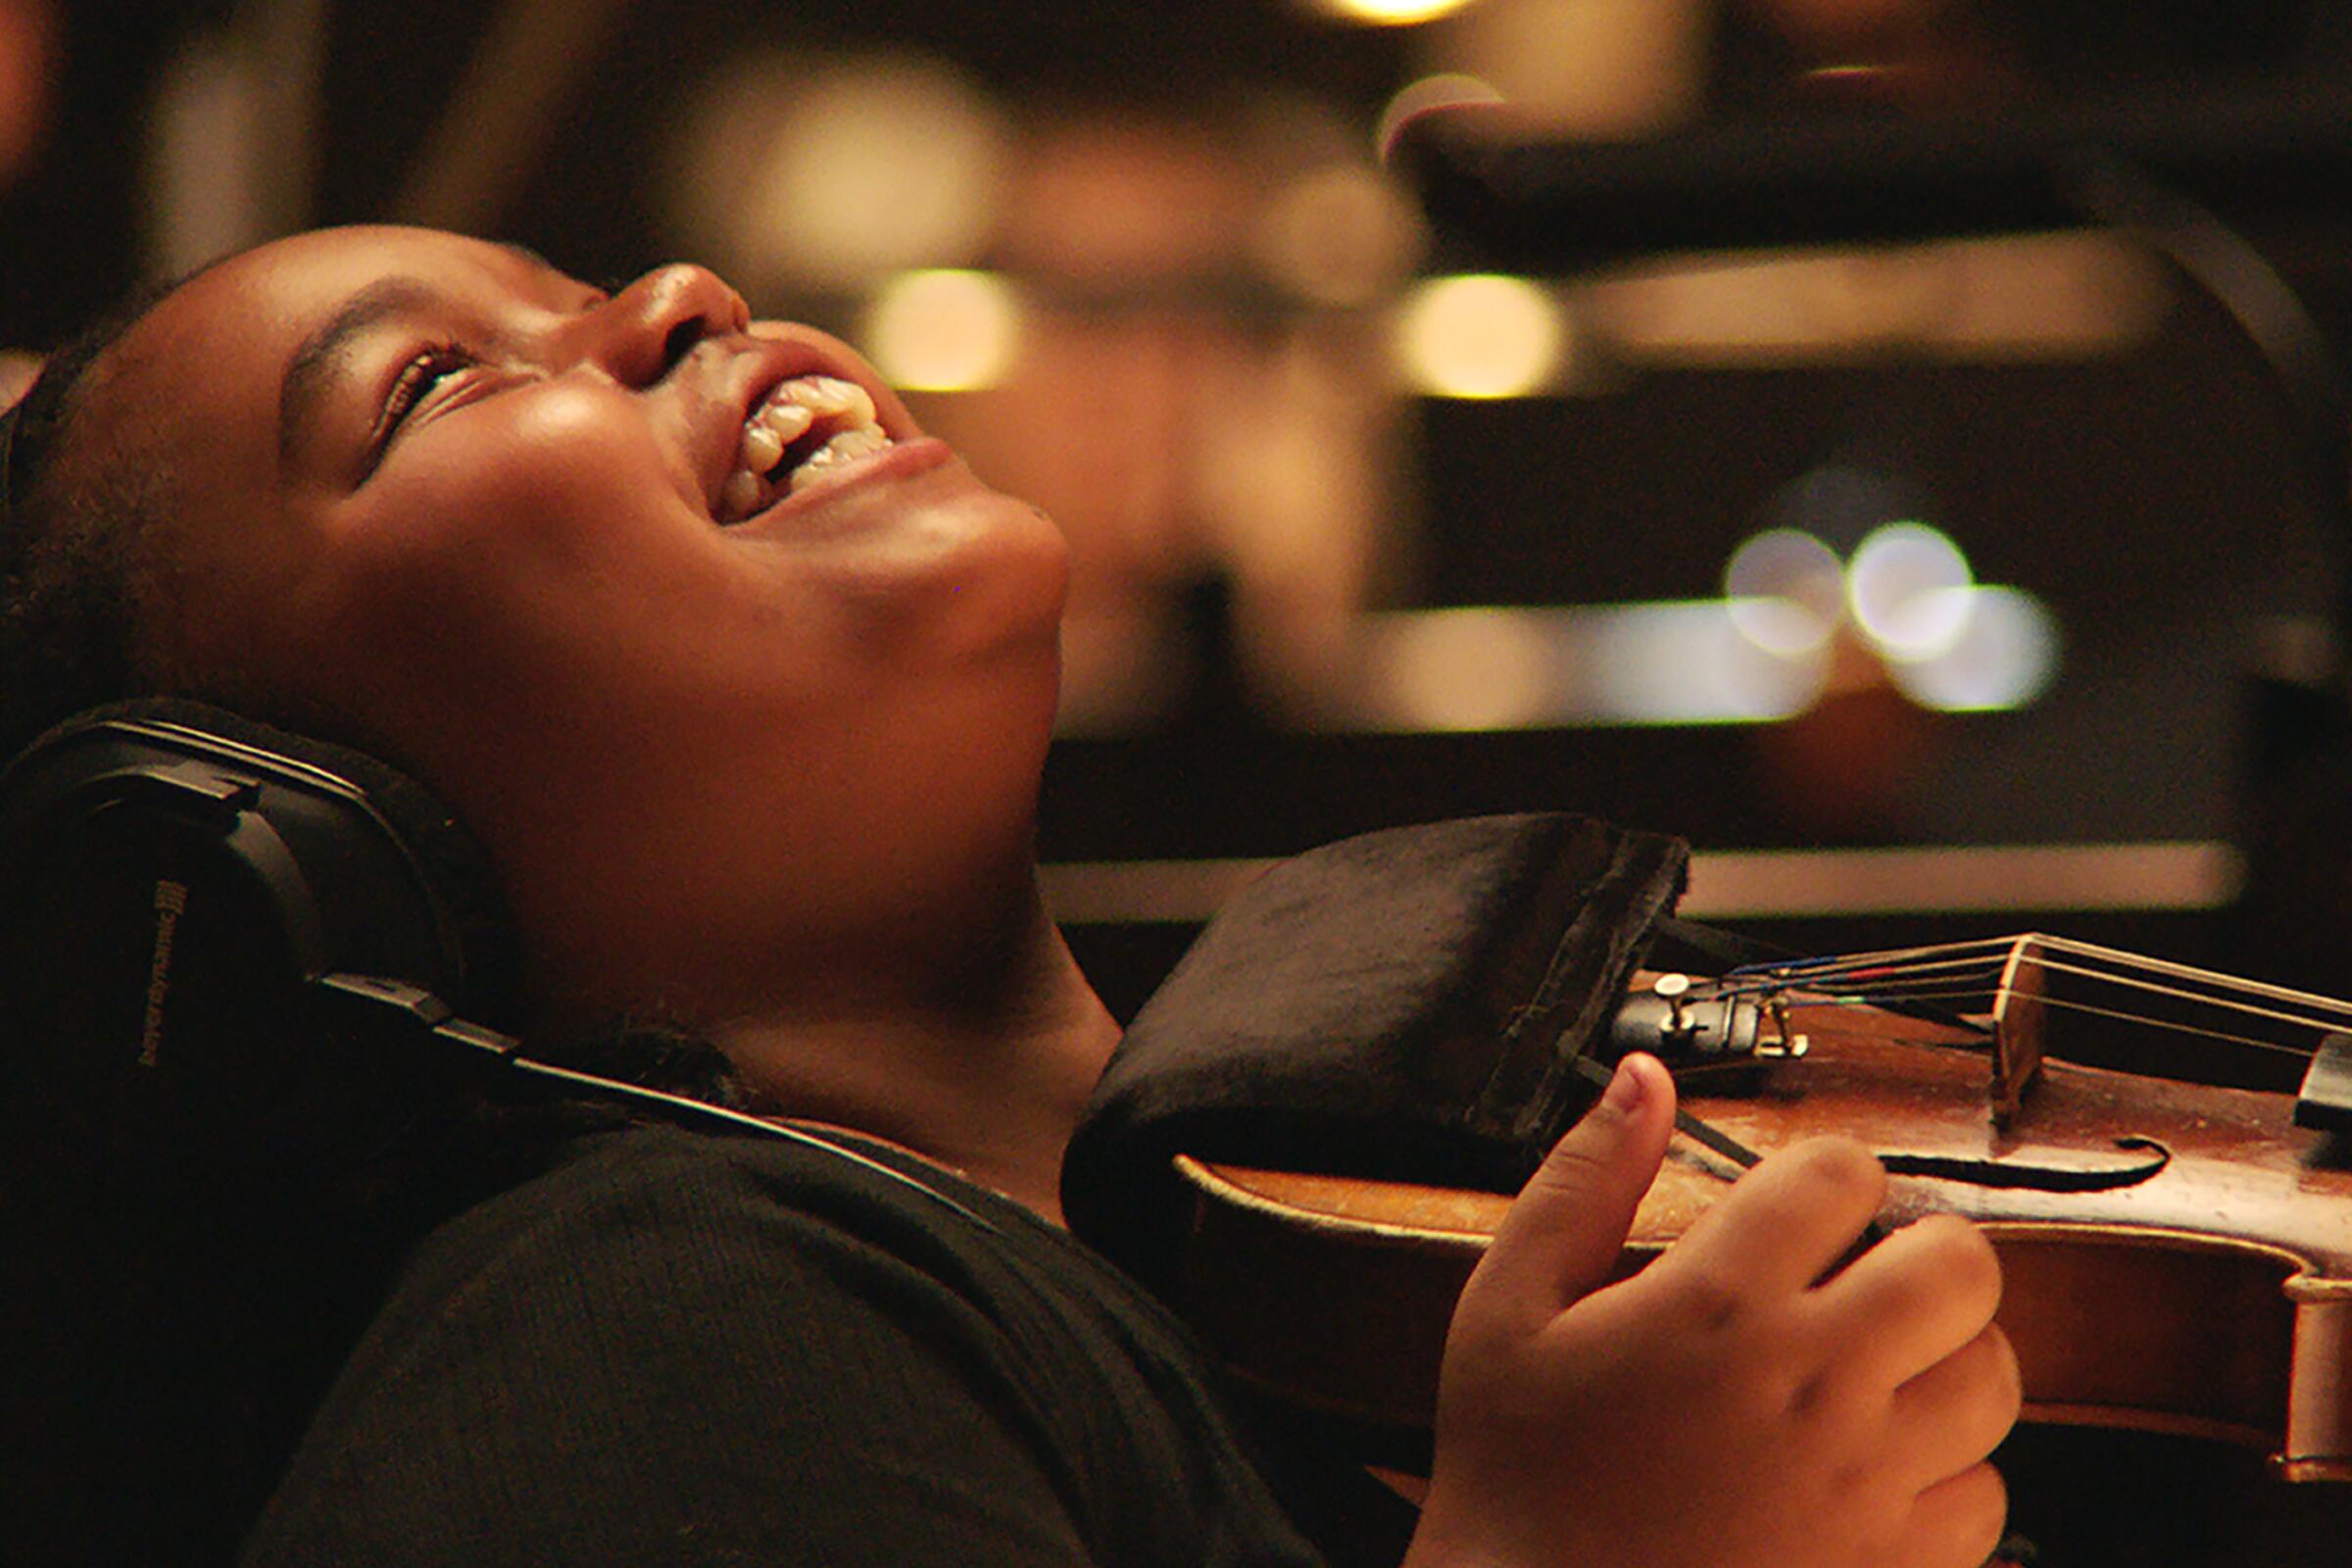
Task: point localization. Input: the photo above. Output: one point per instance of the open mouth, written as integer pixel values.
(808, 427)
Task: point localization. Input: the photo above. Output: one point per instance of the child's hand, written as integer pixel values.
(1721, 1409)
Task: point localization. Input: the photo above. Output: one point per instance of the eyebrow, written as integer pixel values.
(308, 373)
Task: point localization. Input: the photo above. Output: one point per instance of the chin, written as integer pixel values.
(999, 575)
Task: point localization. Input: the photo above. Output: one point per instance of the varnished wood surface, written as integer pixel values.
(2169, 1305)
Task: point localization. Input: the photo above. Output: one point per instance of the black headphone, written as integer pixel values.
(219, 940)
(231, 952)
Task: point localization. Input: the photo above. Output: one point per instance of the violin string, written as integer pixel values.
(2070, 1004)
(2183, 971)
(1885, 973)
(1892, 955)
(1871, 999)
(1900, 963)
(2179, 993)
(2067, 1004)
(1897, 965)
(2176, 1027)
(1923, 975)
(1884, 958)
(1917, 961)
(1920, 996)
(1920, 985)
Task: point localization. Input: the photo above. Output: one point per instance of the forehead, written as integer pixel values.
(188, 398)
(235, 326)
(290, 280)
(201, 375)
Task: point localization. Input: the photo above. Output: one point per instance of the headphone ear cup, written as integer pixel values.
(171, 879)
(476, 962)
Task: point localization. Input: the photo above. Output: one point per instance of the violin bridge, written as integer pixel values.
(2018, 1013)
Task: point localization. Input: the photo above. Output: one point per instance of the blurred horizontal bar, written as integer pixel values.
(1976, 879)
(2263, 149)
(1737, 884)
(1670, 662)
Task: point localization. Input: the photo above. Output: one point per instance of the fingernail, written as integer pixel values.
(1625, 1089)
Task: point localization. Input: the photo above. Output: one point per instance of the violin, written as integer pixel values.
(2176, 1255)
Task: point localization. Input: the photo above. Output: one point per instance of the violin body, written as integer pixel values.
(2207, 1293)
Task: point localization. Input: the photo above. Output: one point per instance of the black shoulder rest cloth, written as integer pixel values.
(1408, 1004)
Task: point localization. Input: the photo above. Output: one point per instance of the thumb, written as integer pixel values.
(1562, 1235)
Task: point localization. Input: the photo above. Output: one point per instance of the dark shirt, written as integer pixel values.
(685, 1347)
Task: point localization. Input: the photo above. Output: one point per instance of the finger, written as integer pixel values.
(1958, 1410)
(1561, 1236)
(1914, 1299)
(1784, 1222)
(1957, 1523)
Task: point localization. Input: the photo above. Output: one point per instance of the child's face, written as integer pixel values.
(522, 589)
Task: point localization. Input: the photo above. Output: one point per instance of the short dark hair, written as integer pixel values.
(71, 561)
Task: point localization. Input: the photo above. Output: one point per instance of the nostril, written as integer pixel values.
(681, 341)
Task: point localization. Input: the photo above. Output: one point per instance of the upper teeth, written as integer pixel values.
(790, 413)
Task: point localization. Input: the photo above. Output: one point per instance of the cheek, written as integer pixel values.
(506, 510)
(552, 467)
(501, 550)
(531, 599)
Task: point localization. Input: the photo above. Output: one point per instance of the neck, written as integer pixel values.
(982, 1064)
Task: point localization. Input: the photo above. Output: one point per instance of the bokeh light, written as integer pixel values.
(2004, 657)
(1688, 664)
(1584, 69)
(1945, 641)
(796, 174)
(1785, 590)
(1481, 335)
(943, 330)
(1388, 13)
(1902, 588)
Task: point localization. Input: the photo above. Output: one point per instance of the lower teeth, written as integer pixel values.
(843, 448)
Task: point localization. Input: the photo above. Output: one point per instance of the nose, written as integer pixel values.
(637, 334)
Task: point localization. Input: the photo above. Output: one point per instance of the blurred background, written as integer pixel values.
(1838, 446)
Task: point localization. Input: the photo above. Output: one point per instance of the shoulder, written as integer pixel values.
(653, 1234)
(667, 1185)
(770, 1347)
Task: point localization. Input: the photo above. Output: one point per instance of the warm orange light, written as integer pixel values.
(796, 173)
(1391, 13)
(28, 66)
(943, 330)
(1481, 335)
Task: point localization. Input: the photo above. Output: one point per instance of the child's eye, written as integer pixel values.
(420, 376)
(417, 380)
